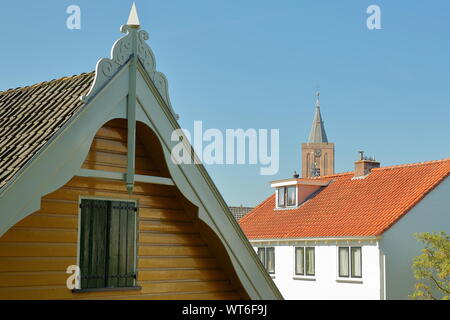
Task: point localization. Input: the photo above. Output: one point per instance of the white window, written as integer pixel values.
(305, 261)
(267, 256)
(286, 197)
(350, 262)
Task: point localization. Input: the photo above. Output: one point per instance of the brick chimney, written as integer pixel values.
(364, 165)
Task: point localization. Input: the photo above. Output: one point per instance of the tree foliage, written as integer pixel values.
(432, 267)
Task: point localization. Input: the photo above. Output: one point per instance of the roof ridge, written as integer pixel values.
(45, 82)
(412, 164)
(383, 168)
(332, 175)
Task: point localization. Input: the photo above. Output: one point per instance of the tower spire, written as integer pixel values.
(317, 133)
(317, 153)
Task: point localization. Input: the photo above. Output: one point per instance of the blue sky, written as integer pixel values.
(257, 64)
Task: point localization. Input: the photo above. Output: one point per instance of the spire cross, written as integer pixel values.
(317, 99)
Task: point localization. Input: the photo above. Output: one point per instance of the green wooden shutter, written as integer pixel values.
(122, 244)
(113, 267)
(93, 239)
(107, 243)
(131, 244)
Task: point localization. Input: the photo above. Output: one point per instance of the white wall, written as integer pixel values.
(432, 214)
(324, 284)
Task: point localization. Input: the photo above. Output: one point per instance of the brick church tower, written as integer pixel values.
(317, 153)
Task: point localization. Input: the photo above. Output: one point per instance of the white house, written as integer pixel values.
(348, 235)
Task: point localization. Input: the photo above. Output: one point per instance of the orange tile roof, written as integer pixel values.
(346, 207)
(31, 116)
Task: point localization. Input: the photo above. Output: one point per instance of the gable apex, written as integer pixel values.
(121, 53)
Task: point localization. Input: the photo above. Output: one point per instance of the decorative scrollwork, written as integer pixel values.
(120, 54)
(145, 54)
(108, 68)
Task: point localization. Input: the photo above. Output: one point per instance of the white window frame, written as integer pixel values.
(350, 278)
(303, 276)
(286, 206)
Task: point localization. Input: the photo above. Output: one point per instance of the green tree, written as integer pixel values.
(432, 267)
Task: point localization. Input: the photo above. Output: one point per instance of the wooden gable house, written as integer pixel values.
(87, 181)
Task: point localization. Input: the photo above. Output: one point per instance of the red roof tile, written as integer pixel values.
(346, 207)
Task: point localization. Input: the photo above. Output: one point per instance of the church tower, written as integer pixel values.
(317, 153)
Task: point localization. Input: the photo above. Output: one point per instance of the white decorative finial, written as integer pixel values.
(133, 19)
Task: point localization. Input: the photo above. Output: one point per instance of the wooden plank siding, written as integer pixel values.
(174, 259)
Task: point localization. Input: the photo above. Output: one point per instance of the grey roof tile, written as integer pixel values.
(31, 116)
(239, 212)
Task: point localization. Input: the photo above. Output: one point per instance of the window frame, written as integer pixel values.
(286, 197)
(360, 262)
(340, 275)
(266, 259)
(295, 261)
(305, 274)
(135, 202)
(314, 262)
(350, 270)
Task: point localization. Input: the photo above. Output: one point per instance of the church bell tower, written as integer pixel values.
(317, 153)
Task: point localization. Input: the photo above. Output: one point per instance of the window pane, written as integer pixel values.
(343, 262)
(281, 197)
(270, 259)
(291, 196)
(262, 255)
(356, 262)
(299, 261)
(310, 261)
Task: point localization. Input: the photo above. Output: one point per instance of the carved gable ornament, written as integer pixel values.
(121, 53)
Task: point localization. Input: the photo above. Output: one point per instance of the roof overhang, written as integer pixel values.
(317, 240)
(300, 181)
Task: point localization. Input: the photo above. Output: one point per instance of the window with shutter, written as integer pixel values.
(107, 244)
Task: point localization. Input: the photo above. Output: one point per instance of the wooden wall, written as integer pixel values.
(174, 257)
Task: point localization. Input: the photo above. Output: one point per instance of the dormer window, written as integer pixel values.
(286, 196)
(291, 193)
